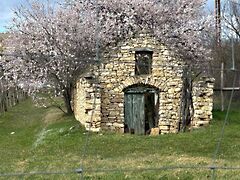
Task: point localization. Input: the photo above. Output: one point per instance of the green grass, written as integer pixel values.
(46, 140)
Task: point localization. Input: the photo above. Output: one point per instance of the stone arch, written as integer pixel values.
(139, 81)
(141, 85)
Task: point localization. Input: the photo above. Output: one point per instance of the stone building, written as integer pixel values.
(136, 88)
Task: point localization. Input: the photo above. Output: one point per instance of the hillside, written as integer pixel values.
(44, 144)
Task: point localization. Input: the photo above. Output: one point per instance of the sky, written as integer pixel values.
(6, 7)
(6, 13)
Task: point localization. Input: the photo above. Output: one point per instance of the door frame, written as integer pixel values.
(130, 114)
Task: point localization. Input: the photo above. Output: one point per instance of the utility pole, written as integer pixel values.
(233, 10)
(218, 44)
(218, 22)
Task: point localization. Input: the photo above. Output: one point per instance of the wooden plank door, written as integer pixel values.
(134, 112)
(128, 98)
(138, 113)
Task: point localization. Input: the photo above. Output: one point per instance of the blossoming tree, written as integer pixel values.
(54, 43)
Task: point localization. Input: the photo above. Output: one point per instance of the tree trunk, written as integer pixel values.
(187, 109)
(5, 107)
(67, 95)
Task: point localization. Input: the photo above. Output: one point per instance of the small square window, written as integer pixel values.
(143, 62)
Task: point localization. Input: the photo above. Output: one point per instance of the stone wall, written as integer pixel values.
(202, 101)
(87, 102)
(117, 72)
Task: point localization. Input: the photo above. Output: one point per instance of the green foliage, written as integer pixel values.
(45, 139)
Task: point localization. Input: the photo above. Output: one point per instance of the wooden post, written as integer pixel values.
(222, 86)
(233, 55)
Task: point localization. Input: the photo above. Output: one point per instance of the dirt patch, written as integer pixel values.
(21, 165)
(52, 116)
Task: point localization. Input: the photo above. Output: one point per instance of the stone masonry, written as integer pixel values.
(99, 94)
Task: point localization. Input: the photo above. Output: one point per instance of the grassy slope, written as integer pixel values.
(43, 141)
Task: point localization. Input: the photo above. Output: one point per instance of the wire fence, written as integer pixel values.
(51, 161)
(78, 165)
(77, 169)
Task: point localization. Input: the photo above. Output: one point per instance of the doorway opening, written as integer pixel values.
(141, 106)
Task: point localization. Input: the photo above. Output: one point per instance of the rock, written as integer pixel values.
(154, 131)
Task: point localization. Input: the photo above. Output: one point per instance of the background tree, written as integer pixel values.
(231, 18)
(228, 52)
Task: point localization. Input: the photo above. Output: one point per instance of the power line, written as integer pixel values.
(79, 171)
(38, 173)
(97, 56)
(162, 168)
